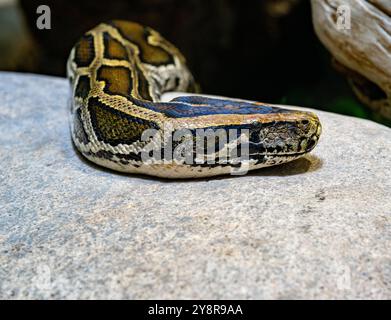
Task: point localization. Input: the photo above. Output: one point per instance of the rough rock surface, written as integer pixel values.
(319, 227)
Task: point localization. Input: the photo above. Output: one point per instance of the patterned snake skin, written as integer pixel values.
(118, 72)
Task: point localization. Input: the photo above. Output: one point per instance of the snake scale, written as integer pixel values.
(118, 73)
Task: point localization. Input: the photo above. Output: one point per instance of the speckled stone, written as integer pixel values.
(319, 227)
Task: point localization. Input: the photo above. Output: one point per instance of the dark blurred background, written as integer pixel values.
(263, 50)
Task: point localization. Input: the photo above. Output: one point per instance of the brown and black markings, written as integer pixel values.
(118, 80)
(138, 34)
(120, 59)
(115, 127)
(113, 49)
(85, 51)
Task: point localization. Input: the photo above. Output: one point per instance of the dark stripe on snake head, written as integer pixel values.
(194, 106)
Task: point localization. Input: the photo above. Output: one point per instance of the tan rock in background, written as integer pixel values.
(358, 34)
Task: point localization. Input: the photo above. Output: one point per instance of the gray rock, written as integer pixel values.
(319, 227)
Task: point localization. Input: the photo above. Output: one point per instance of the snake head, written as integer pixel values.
(286, 133)
(272, 130)
(275, 135)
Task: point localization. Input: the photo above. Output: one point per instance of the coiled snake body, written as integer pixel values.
(118, 72)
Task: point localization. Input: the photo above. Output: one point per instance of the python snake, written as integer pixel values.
(119, 71)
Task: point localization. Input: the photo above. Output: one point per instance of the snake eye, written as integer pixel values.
(311, 144)
(305, 122)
